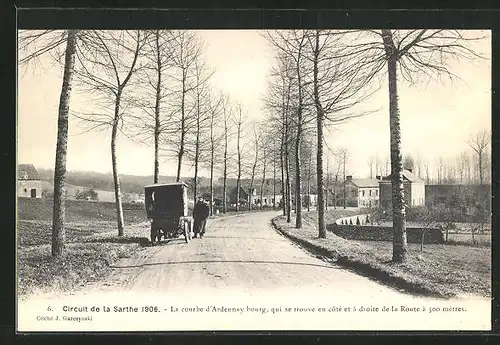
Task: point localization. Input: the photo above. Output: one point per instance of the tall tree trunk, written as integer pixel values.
(298, 177)
(183, 127)
(400, 247)
(274, 178)
(114, 162)
(327, 189)
(345, 195)
(283, 188)
(157, 111)
(239, 170)
(288, 188)
(250, 195)
(196, 156)
(59, 207)
(250, 191)
(480, 158)
(212, 185)
(264, 157)
(224, 174)
(319, 154)
(212, 159)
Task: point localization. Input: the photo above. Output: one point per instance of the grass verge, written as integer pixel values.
(439, 271)
(87, 258)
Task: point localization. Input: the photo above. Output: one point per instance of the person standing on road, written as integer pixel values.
(200, 215)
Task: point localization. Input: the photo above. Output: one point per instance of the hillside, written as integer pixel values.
(103, 183)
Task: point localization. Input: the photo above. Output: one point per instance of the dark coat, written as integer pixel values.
(201, 211)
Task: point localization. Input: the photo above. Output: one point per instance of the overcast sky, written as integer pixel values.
(436, 117)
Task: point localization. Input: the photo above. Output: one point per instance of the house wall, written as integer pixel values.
(368, 196)
(267, 200)
(24, 188)
(417, 194)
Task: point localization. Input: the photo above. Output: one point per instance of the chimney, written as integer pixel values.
(348, 178)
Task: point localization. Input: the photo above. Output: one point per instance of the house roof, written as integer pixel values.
(166, 184)
(365, 182)
(27, 172)
(408, 176)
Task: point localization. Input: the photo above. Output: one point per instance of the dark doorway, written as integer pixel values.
(33, 193)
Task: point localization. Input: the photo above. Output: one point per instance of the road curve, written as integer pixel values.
(245, 268)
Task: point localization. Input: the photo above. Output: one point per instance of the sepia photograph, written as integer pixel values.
(253, 180)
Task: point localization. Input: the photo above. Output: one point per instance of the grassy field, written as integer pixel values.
(442, 270)
(79, 211)
(92, 244)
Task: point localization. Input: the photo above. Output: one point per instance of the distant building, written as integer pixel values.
(360, 192)
(414, 190)
(29, 184)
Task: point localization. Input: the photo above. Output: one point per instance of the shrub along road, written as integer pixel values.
(244, 255)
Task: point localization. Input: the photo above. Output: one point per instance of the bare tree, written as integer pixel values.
(256, 145)
(201, 115)
(154, 117)
(239, 120)
(418, 165)
(215, 139)
(409, 163)
(226, 115)
(187, 50)
(415, 52)
(32, 46)
(479, 142)
(108, 60)
(293, 45)
(337, 87)
(371, 163)
(279, 103)
(440, 167)
(344, 161)
(265, 148)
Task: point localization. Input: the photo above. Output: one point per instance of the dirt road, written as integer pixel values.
(242, 253)
(245, 266)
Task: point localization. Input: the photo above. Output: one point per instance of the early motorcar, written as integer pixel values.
(167, 210)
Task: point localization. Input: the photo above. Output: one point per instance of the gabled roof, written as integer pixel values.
(166, 184)
(407, 176)
(365, 182)
(27, 172)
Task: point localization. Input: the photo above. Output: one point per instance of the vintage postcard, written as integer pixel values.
(182, 180)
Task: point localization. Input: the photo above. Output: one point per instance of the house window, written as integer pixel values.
(376, 192)
(25, 190)
(354, 193)
(363, 193)
(370, 192)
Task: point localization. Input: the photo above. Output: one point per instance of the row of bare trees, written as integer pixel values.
(152, 86)
(320, 78)
(471, 166)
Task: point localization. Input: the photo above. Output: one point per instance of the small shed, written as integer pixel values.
(29, 184)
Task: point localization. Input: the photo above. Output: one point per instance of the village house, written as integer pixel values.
(29, 184)
(361, 192)
(414, 190)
